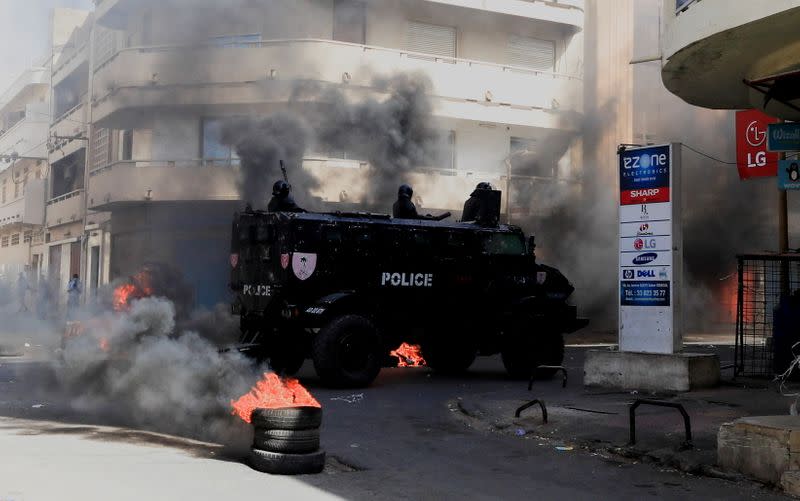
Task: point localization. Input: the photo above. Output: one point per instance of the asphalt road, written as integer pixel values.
(398, 439)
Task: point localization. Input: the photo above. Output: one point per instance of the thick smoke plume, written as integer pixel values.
(391, 129)
(141, 368)
(261, 145)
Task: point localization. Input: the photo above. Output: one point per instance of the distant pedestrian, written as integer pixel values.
(22, 291)
(74, 289)
(44, 298)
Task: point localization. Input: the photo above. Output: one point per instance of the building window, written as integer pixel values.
(431, 39)
(126, 145)
(447, 150)
(213, 149)
(531, 53)
(15, 239)
(101, 148)
(350, 21)
(527, 160)
(4, 241)
(27, 237)
(67, 173)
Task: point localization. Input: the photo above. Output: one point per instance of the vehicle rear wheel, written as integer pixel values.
(528, 347)
(347, 352)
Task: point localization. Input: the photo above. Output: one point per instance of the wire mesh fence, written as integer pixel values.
(768, 313)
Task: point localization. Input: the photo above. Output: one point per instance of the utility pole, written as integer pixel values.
(783, 218)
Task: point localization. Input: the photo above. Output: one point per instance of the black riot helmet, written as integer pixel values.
(281, 189)
(405, 191)
(483, 186)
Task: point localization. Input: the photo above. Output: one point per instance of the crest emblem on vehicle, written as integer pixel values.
(284, 261)
(234, 260)
(304, 265)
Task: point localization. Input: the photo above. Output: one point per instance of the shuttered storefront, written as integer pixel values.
(531, 53)
(431, 39)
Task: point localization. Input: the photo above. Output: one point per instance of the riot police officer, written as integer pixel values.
(282, 200)
(473, 207)
(404, 208)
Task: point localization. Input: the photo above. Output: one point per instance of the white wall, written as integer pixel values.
(175, 137)
(708, 17)
(482, 149)
(482, 36)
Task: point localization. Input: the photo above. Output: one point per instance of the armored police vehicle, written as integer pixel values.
(344, 289)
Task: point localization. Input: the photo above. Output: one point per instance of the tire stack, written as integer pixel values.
(286, 441)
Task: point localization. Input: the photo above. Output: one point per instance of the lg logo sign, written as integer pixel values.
(756, 135)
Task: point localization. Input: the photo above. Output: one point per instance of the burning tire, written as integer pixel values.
(289, 418)
(525, 350)
(287, 464)
(347, 352)
(287, 441)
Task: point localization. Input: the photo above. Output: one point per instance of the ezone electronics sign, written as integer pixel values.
(644, 175)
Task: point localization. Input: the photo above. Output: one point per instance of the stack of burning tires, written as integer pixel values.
(286, 441)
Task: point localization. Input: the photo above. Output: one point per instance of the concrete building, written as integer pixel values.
(734, 55)
(24, 119)
(67, 222)
(506, 89)
(25, 116)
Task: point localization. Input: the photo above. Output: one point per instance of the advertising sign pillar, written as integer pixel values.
(650, 249)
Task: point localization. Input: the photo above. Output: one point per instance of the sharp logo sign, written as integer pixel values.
(644, 176)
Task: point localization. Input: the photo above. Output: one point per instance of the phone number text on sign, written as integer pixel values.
(654, 293)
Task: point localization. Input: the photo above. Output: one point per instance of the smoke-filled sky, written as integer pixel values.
(24, 33)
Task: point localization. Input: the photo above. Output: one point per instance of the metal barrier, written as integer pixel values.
(557, 368)
(766, 313)
(531, 404)
(658, 403)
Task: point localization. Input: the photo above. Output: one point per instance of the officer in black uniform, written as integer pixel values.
(282, 200)
(404, 208)
(474, 204)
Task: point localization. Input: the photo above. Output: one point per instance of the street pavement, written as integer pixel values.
(412, 435)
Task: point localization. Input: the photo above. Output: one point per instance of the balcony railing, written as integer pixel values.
(65, 197)
(200, 163)
(400, 53)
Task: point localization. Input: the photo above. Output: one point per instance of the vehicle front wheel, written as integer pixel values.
(347, 352)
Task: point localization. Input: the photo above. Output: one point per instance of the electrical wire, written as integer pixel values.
(724, 162)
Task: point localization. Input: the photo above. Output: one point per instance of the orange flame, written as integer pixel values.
(122, 295)
(409, 355)
(273, 393)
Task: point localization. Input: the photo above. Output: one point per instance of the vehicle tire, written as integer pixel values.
(280, 463)
(347, 352)
(449, 356)
(288, 418)
(526, 349)
(287, 441)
